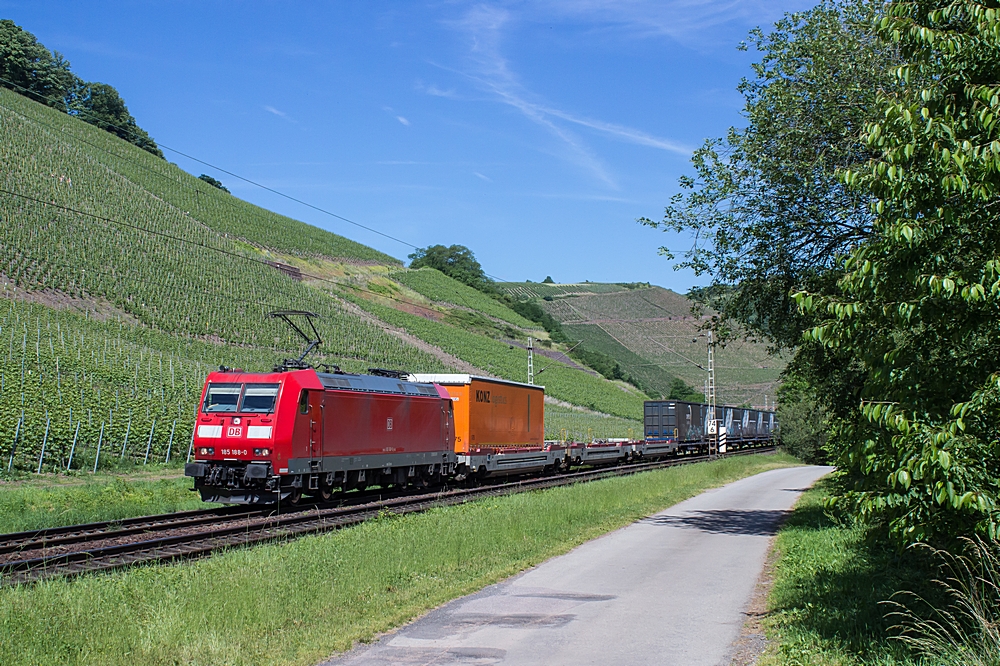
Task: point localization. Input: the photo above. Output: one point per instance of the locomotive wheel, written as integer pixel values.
(295, 497)
(324, 493)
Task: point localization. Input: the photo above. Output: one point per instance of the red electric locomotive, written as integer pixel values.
(261, 437)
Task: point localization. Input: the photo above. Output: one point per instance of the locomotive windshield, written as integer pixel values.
(222, 398)
(242, 398)
(259, 398)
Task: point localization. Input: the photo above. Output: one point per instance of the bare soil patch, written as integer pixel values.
(95, 307)
(752, 642)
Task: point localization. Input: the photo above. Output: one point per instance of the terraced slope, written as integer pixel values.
(653, 334)
(125, 280)
(531, 290)
(93, 225)
(437, 286)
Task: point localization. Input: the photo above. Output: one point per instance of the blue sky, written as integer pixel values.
(533, 132)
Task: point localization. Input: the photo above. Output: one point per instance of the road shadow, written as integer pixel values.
(748, 522)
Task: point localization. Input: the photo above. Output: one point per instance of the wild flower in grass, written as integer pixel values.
(966, 629)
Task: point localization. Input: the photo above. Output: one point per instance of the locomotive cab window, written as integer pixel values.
(303, 401)
(222, 398)
(259, 398)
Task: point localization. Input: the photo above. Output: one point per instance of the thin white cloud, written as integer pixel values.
(271, 109)
(403, 120)
(434, 91)
(484, 26)
(479, 175)
(438, 92)
(692, 22)
(626, 133)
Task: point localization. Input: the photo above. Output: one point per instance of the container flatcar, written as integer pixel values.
(676, 424)
(499, 425)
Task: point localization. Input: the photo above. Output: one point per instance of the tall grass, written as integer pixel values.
(966, 630)
(830, 579)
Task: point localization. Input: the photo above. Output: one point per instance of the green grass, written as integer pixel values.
(829, 581)
(582, 426)
(299, 602)
(70, 500)
(437, 286)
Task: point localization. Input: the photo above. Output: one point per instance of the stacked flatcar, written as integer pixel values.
(669, 425)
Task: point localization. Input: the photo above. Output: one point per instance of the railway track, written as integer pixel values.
(26, 557)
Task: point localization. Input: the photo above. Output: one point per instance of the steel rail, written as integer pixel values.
(40, 538)
(277, 527)
(111, 529)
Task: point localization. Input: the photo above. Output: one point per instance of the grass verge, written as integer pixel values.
(830, 579)
(50, 501)
(299, 602)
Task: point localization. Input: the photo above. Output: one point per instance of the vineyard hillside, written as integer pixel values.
(124, 280)
(653, 334)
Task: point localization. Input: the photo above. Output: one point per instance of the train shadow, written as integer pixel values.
(745, 522)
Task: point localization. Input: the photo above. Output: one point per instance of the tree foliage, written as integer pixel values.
(920, 299)
(864, 191)
(27, 67)
(24, 62)
(100, 105)
(455, 261)
(765, 207)
(804, 419)
(213, 182)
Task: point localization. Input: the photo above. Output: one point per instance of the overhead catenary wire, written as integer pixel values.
(156, 172)
(205, 246)
(222, 170)
(233, 174)
(200, 161)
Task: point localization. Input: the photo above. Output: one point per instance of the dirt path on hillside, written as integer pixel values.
(555, 356)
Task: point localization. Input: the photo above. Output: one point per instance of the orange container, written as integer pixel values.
(493, 413)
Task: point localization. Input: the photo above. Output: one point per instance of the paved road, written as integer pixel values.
(668, 590)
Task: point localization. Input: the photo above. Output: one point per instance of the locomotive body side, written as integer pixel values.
(323, 431)
(378, 430)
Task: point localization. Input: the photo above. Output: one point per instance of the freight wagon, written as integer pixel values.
(499, 425)
(671, 425)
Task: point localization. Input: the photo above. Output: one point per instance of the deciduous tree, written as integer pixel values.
(456, 261)
(765, 206)
(919, 301)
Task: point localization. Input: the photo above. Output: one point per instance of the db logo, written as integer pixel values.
(234, 432)
(388, 424)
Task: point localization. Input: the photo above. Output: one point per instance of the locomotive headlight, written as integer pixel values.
(262, 452)
(206, 451)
